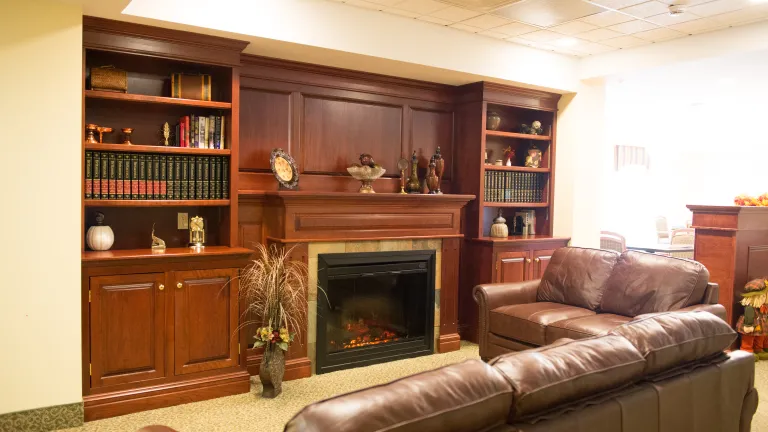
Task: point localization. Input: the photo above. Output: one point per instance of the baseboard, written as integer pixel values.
(448, 343)
(43, 419)
(469, 333)
(105, 405)
(294, 368)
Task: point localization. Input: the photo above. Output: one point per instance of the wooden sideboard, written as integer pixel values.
(732, 242)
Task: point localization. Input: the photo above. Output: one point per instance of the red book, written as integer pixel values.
(186, 131)
(181, 133)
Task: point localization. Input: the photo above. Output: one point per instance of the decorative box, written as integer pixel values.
(187, 86)
(109, 78)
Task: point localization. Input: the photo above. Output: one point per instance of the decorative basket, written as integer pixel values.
(109, 78)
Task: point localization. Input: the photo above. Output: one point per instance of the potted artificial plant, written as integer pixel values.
(273, 291)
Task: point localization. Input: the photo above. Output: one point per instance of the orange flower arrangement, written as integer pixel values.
(747, 200)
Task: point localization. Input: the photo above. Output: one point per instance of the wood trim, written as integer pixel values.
(156, 149)
(130, 38)
(137, 256)
(448, 343)
(161, 100)
(296, 368)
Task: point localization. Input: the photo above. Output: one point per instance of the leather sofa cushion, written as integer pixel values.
(528, 322)
(466, 396)
(584, 327)
(647, 283)
(671, 339)
(557, 374)
(575, 276)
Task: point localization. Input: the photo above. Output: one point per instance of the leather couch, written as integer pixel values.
(588, 292)
(662, 372)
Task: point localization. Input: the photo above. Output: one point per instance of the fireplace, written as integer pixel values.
(374, 307)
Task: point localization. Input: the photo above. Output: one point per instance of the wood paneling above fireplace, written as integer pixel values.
(325, 118)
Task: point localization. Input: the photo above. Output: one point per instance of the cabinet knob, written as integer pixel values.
(528, 260)
(161, 287)
(179, 285)
(537, 260)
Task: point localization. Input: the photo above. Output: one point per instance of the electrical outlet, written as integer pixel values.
(183, 221)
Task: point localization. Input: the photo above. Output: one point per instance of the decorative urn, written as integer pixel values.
(499, 228)
(100, 237)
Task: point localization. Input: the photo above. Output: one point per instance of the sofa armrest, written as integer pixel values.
(491, 296)
(717, 310)
(712, 294)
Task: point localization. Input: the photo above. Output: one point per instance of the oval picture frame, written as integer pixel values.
(274, 157)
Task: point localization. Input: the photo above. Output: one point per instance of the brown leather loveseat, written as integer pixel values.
(662, 372)
(587, 292)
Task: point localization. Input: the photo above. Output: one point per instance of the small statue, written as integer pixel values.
(752, 325)
(367, 160)
(534, 156)
(431, 179)
(509, 153)
(439, 168)
(157, 243)
(533, 129)
(166, 132)
(196, 232)
(414, 185)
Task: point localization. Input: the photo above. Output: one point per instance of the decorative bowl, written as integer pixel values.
(366, 175)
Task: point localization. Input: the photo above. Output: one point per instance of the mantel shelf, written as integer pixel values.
(207, 252)
(156, 149)
(128, 97)
(517, 135)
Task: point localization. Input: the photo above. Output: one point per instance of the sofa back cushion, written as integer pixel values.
(672, 339)
(462, 397)
(562, 373)
(646, 283)
(575, 276)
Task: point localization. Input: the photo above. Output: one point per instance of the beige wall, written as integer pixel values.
(41, 57)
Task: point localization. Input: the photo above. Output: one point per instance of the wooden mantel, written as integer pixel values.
(296, 216)
(732, 242)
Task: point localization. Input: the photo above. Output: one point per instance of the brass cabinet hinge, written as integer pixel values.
(89, 296)
(90, 369)
(238, 349)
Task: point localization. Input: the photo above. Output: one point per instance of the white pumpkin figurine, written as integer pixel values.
(100, 237)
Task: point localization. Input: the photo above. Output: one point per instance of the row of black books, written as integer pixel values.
(128, 176)
(514, 187)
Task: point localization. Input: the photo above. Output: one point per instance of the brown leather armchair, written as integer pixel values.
(588, 292)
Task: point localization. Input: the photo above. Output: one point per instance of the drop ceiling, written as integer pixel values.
(576, 27)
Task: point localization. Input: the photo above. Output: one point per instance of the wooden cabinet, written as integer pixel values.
(541, 260)
(512, 266)
(205, 320)
(127, 332)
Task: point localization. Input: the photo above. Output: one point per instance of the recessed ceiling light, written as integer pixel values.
(676, 9)
(567, 41)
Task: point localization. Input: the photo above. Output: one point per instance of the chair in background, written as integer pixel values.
(662, 229)
(683, 236)
(612, 241)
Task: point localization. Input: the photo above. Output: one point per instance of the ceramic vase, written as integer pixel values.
(100, 237)
(493, 120)
(499, 228)
(271, 372)
(431, 179)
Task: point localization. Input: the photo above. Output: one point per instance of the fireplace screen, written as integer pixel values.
(377, 307)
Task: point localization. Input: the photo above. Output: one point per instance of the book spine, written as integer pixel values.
(516, 188)
(163, 177)
(225, 178)
(156, 177)
(184, 169)
(170, 167)
(217, 133)
(217, 180)
(135, 176)
(88, 175)
(120, 177)
(142, 177)
(493, 186)
(507, 186)
(223, 129)
(201, 132)
(206, 178)
(112, 176)
(211, 131)
(179, 186)
(186, 131)
(150, 178)
(199, 177)
(485, 186)
(192, 179)
(177, 135)
(96, 190)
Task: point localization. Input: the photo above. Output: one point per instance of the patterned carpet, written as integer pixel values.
(249, 412)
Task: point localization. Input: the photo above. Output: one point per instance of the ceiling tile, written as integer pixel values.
(744, 16)
(515, 29)
(364, 4)
(595, 48)
(486, 22)
(494, 34)
(547, 13)
(647, 9)
(689, 2)
(481, 5)
(541, 36)
(699, 26)
(421, 7)
(625, 42)
(718, 7)
(452, 13)
(434, 20)
(465, 27)
(384, 2)
(634, 26)
(573, 27)
(605, 19)
(616, 4)
(667, 20)
(659, 34)
(598, 35)
(401, 12)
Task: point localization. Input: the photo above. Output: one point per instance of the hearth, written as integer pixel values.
(376, 307)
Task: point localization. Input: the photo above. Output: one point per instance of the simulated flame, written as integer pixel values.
(363, 333)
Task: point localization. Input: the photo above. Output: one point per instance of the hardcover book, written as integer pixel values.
(171, 179)
(193, 131)
(192, 179)
(223, 142)
(112, 176)
(143, 177)
(88, 174)
(217, 178)
(156, 177)
(104, 175)
(202, 141)
(199, 177)
(225, 177)
(217, 133)
(96, 190)
(206, 178)
(211, 131)
(135, 176)
(163, 177)
(183, 167)
(120, 176)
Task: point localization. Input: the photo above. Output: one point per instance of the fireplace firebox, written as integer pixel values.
(374, 307)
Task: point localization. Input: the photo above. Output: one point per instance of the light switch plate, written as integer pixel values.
(183, 221)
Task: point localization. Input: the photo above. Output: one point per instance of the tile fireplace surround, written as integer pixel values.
(338, 222)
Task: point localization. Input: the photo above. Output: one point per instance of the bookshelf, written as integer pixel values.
(518, 257)
(163, 100)
(134, 148)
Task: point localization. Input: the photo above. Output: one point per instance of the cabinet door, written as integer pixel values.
(128, 335)
(512, 266)
(205, 320)
(541, 261)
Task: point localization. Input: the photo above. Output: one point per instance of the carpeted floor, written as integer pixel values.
(251, 413)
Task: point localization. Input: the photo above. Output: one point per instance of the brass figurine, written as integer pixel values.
(166, 132)
(402, 165)
(414, 186)
(439, 169)
(90, 137)
(102, 131)
(127, 132)
(431, 179)
(158, 245)
(196, 232)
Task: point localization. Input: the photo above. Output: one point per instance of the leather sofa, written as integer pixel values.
(588, 292)
(661, 372)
